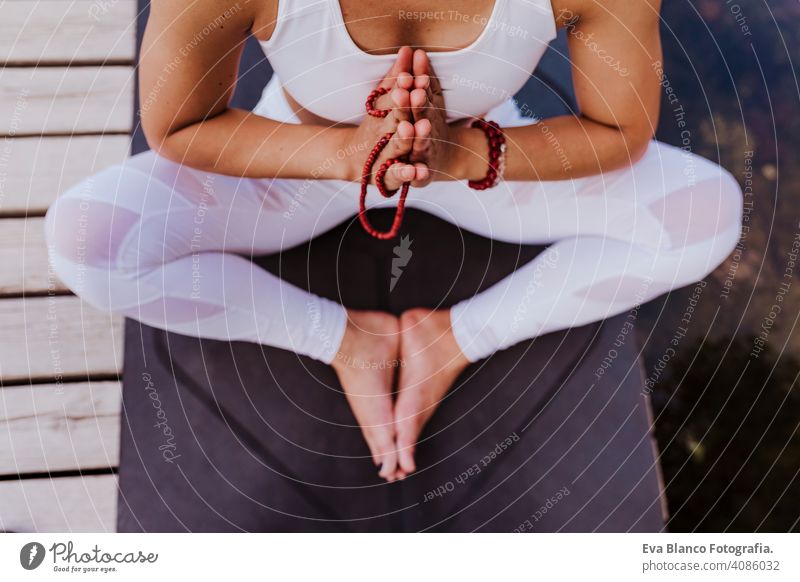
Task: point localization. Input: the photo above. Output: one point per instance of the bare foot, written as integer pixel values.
(365, 364)
(432, 361)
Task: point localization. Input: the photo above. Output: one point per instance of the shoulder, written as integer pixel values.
(569, 12)
(211, 13)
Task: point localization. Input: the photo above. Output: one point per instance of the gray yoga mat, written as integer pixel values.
(220, 436)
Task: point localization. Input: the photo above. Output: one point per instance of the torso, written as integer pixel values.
(482, 50)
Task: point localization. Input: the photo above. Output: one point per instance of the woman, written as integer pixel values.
(628, 218)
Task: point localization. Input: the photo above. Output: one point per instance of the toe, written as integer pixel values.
(407, 430)
(406, 459)
(388, 468)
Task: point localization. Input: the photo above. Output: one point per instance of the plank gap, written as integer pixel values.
(60, 474)
(66, 380)
(66, 64)
(36, 294)
(20, 134)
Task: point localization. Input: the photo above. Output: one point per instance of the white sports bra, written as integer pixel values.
(320, 66)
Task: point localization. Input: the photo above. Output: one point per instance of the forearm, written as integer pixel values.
(241, 143)
(557, 148)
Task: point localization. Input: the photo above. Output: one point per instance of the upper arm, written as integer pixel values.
(189, 62)
(615, 50)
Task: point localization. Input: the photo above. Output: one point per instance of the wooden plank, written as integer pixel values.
(57, 336)
(66, 504)
(59, 427)
(61, 31)
(35, 170)
(63, 100)
(23, 256)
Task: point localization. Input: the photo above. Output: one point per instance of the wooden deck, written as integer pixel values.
(66, 111)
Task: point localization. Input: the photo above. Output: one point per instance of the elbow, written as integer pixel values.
(181, 145)
(159, 139)
(167, 141)
(625, 145)
(636, 144)
(165, 145)
(166, 148)
(638, 151)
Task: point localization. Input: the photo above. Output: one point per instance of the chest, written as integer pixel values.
(380, 27)
(329, 54)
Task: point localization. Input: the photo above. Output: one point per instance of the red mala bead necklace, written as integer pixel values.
(497, 150)
(380, 175)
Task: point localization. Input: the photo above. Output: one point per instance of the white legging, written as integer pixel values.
(161, 243)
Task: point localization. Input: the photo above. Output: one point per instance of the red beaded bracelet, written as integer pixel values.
(497, 154)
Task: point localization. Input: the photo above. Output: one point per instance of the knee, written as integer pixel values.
(703, 224)
(85, 230)
(705, 214)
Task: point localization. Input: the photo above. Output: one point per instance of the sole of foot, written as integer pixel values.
(365, 365)
(432, 361)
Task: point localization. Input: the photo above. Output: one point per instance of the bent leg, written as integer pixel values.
(620, 239)
(158, 242)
